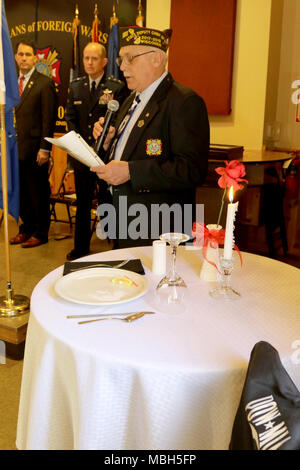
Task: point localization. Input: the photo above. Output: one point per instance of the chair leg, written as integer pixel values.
(69, 215)
(53, 212)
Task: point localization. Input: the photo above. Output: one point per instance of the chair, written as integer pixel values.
(62, 196)
(68, 198)
(273, 211)
(268, 416)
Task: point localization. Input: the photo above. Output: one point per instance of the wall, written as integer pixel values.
(289, 71)
(245, 125)
(158, 14)
(273, 71)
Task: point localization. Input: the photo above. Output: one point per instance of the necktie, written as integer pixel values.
(93, 90)
(21, 80)
(123, 125)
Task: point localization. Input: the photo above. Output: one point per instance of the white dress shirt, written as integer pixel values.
(97, 81)
(26, 77)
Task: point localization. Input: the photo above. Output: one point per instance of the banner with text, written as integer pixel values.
(50, 25)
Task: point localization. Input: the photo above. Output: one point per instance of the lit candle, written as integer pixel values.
(229, 240)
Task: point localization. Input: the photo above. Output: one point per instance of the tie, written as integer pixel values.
(93, 90)
(123, 125)
(21, 80)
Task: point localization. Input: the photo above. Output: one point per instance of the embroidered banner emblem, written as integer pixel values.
(269, 431)
(154, 147)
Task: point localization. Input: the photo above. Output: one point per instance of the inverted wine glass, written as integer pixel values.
(171, 289)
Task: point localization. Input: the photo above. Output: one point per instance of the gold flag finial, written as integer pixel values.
(113, 19)
(76, 11)
(140, 18)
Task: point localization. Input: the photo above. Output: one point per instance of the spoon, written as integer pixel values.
(128, 319)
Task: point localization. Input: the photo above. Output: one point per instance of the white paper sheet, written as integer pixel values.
(77, 147)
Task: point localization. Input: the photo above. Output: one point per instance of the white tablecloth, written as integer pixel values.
(165, 381)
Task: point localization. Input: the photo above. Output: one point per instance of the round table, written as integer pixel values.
(165, 381)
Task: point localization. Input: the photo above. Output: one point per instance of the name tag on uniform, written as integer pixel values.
(77, 102)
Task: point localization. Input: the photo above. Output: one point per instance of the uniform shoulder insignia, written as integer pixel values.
(113, 79)
(78, 79)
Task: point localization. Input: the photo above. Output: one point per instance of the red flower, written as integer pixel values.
(231, 175)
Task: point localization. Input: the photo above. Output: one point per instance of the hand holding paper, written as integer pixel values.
(77, 147)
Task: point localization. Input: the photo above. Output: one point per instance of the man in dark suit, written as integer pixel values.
(161, 156)
(87, 101)
(35, 120)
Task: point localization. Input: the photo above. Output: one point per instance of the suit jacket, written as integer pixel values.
(82, 112)
(35, 116)
(167, 149)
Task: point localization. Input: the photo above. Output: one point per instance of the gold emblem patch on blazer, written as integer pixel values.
(106, 96)
(154, 147)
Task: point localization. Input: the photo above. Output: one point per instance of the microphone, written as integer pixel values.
(112, 107)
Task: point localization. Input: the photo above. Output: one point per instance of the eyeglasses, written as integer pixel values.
(128, 59)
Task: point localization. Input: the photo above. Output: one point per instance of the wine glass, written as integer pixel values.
(171, 289)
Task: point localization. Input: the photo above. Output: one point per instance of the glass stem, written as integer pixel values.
(225, 280)
(226, 276)
(173, 272)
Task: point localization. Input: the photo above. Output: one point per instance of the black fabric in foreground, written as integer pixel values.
(268, 416)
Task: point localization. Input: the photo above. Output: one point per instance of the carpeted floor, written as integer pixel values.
(28, 266)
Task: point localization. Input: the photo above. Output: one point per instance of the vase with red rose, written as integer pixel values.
(212, 236)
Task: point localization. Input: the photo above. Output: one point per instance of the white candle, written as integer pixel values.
(229, 240)
(159, 257)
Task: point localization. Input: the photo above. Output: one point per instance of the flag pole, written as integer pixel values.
(10, 305)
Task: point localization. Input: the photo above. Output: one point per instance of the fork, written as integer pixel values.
(102, 265)
(128, 319)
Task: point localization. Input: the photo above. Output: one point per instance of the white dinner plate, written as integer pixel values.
(101, 286)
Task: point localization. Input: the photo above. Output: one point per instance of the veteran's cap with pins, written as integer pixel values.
(139, 36)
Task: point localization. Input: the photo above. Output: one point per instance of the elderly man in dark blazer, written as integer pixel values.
(87, 101)
(35, 120)
(157, 153)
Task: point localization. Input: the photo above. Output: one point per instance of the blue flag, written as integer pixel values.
(113, 52)
(9, 83)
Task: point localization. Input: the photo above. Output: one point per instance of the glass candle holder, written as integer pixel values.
(224, 291)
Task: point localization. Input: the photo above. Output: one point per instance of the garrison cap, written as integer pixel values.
(139, 36)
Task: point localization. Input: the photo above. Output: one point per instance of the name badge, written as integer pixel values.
(77, 102)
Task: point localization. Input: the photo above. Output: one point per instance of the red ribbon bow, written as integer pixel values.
(213, 237)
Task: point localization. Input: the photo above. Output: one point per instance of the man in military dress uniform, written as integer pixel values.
(87, 101)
